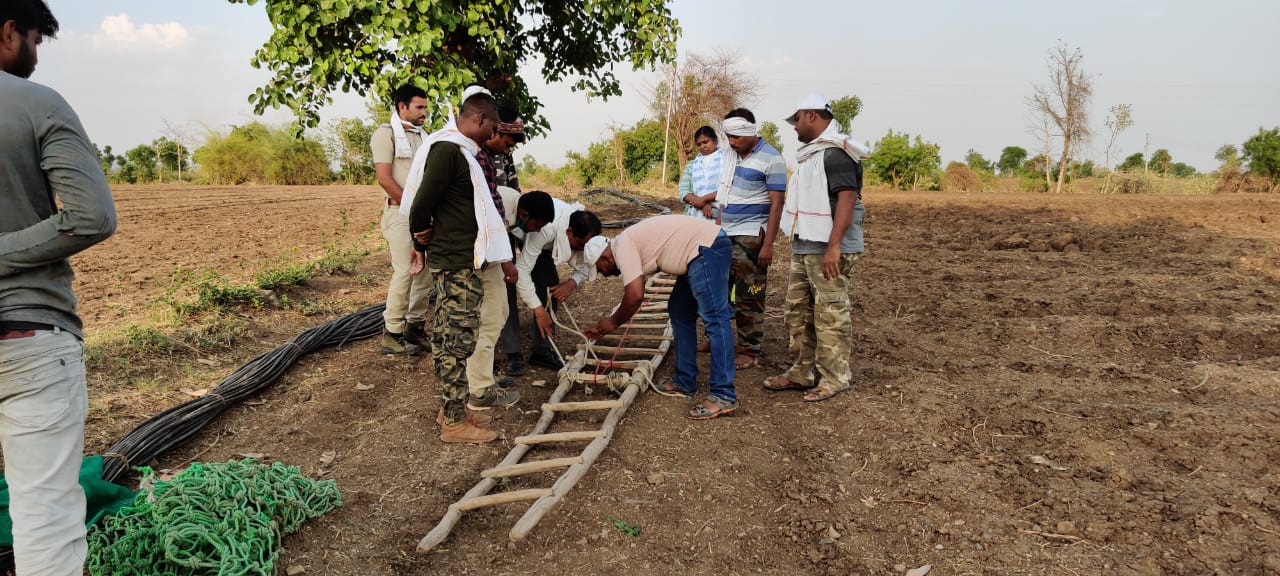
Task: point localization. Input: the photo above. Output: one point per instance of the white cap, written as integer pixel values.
(591, 252)
(813, 101)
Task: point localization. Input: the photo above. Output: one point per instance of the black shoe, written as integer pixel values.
(505, 382)
(515, 365)
(416, 334)
(545, 359)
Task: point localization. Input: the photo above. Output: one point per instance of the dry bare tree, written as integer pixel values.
(1119, 119)
(1065, 101)
(700, 92)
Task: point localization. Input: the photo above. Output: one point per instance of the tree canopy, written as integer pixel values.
(1011, 158)
(898, 161)
(320, 46)
(1262, 152)
(845, 109)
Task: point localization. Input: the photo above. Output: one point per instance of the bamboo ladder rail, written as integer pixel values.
(581, 368)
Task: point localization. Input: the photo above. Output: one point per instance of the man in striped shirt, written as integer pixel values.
(751, 193)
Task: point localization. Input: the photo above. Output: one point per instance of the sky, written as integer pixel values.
(1198, 75)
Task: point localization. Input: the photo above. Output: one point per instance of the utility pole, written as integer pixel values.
(666, 132)
(1146, 156)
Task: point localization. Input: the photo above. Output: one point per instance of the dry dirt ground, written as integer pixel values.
(1044, 385)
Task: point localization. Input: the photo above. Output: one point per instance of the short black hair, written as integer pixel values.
(538, 204)
(405, 94)
(29, 15)
(707, 131)
(825, 114)
(480, 103)
(742, 113)
(584, 223)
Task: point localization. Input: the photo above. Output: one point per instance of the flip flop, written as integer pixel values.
(752, 361)
(821, 393)
(668, 388)
(720, 408)
(773, 383)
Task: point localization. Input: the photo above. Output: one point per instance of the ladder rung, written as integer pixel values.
(530, 467)
(641, 326)
(659, 290)
(560, 437)
(623, 364)
(652, 316)
(607, 349)
(631, 336)
(580, 406)
(500, 498)
(655, 307)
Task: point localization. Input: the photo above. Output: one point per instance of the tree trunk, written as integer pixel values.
(1062, 165)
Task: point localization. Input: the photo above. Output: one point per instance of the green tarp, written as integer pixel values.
(103, 497)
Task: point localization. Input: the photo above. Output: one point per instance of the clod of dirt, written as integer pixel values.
(538, 383)
(1062, 241)
(657, 478)
(1015, 242)
(251, 455)
(899, 567)
(921, 571)
(295, 570)
(363, 387)
(1067, 527)
(327, 458)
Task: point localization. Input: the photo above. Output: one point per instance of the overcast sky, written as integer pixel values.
(1197, 74)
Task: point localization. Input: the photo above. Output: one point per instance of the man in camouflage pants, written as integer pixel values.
(750, 193)
(824, 216)
(444, 222)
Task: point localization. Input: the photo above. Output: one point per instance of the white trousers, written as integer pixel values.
(493, 315)
(407, 298)
(43, 403)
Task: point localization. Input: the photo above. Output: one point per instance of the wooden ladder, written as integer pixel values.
(638, 347)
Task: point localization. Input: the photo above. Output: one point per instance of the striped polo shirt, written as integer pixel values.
(745, 209)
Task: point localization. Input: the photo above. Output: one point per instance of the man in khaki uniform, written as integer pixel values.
(393, 144)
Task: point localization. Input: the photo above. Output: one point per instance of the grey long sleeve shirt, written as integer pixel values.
(46, 159)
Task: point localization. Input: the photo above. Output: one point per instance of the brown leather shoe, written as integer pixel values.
(466, 432)
(478, 418)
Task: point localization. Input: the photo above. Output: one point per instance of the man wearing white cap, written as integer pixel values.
(751, 190)
(697, 253)
(823, 215)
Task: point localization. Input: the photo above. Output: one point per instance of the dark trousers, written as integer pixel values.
(544, 276)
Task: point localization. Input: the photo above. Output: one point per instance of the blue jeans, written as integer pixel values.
(703, 292)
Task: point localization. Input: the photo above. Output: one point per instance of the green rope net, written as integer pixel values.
(219, 519)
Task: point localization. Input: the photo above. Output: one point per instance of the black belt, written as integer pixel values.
(14, 329)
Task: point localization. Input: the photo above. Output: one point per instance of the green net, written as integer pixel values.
(219, 519)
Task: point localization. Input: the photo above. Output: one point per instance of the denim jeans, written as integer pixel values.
(703, 292)
(43, 403)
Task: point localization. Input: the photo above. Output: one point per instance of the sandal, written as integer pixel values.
(821, 393)
(781, 384)
(750, 362)
(668, 388)
(719, 407)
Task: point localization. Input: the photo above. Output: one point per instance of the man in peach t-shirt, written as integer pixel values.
(697, 252)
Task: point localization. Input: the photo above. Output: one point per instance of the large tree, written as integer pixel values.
(1064, 102)
(364, 46)
(1262, 152)
(1011, 158)
(898, 161)
(705, 89)
(845, 109)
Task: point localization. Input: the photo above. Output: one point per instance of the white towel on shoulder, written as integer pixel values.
(398, 128)
(491, 244)
(806, 212)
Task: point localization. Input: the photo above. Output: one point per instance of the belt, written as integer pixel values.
(13, 330)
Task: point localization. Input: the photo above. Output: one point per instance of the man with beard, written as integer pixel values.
(56, 204)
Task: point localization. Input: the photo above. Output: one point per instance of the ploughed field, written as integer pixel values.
(1045, 384)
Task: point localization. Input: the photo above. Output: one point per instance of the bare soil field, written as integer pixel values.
(1060, 385)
